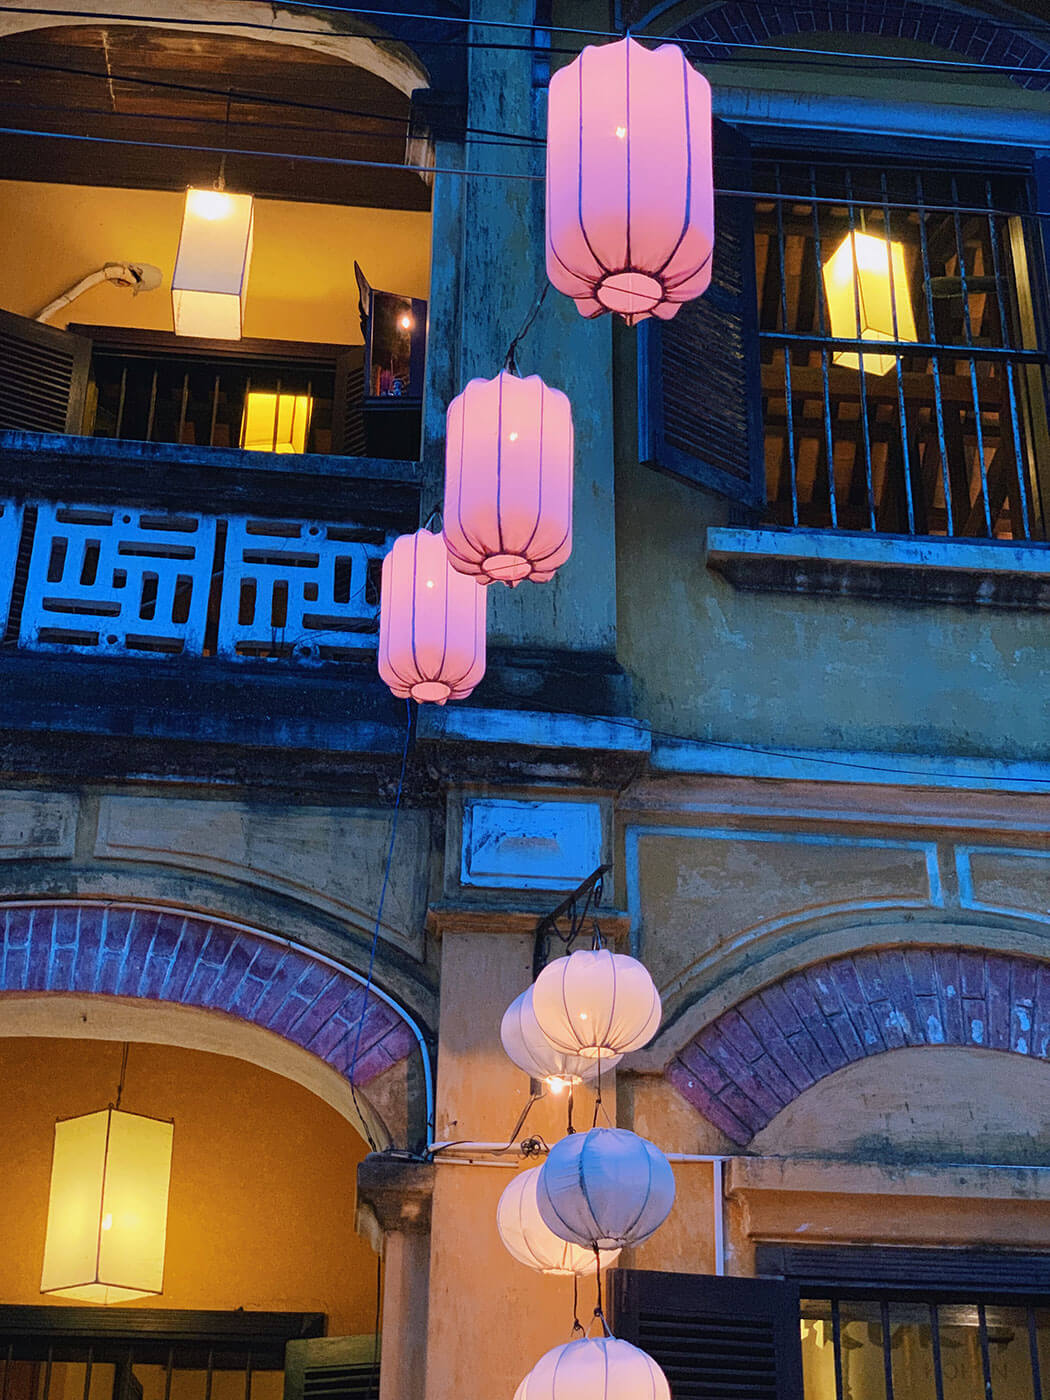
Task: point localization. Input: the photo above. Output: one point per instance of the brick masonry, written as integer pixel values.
(166, 956)
(757, 1057)
(975, 38)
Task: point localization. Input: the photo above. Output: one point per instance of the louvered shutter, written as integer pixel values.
(699, 379)
(716, 1338)
(43, 376)
(348, 424)
(331, 1368)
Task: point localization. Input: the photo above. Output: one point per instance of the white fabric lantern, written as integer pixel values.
(599, 1368)
(107, 1213)
(596, 1004)
(630, 194)
(531, 1051)
(605, 1189)
(523, 1232)
(210, 282)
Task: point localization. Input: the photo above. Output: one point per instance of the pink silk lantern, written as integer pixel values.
(508, 480)
(630, 189)
(431, 623)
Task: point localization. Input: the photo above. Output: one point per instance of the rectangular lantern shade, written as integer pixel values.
(107, 1214)
(275, 422)
(210, 282)
(864, 280)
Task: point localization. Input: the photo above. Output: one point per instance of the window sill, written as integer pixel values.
(993, 573)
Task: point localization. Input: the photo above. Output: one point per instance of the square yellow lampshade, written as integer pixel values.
(864, 279)
(275, 422)
(107, 1214)
(210, 281)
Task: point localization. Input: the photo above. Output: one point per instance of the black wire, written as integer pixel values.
(123, 1073)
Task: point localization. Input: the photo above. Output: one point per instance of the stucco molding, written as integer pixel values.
(152, 955)
(755, 1058)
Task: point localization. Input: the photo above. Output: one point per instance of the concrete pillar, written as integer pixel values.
(394, 1213)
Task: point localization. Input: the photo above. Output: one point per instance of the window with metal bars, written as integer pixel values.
(903, 348)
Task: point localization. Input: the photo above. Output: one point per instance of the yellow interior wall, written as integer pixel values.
(261, 1207)
(301, 285)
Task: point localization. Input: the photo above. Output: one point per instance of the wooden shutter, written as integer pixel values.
(43, 376)
(699, 380)
(716, 1338)
(348, 424)
(331, 1368)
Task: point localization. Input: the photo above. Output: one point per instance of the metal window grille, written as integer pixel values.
(880, 1348)
(936, 427)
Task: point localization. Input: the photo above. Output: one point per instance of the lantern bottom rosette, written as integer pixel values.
(431, 623)
(598, 1368)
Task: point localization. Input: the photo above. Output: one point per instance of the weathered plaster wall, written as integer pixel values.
(262, 1184)
(708, 661)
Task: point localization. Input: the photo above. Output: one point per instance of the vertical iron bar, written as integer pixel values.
(120, 400)
(822, 316)
(7, 1369)
(986, 1363)
(836, 1346)
(935, 363)
(208, 1374)
(152, 407)
(1033, 1352)
(244, 410)
(214, 410)
(276, 415)
(860, 354)
(168, 1369)
(887, 1358)
(935, 1342)
(897, 360)
(47, 1374)
(87, 1372)
(182, 406)
(968, 329)
(248, 1378)
(1022, 494)
(792, 464)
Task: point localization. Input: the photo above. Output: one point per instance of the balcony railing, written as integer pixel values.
(87, 578)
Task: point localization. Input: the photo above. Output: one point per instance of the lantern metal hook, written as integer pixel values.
(577, 908)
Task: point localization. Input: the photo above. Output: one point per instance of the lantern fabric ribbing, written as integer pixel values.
(431, 623)
(595, 1368)
(605, 1189)
(531, 1051)
(529, 1240)
(596, 1003)
(630, 194)
(508, 479)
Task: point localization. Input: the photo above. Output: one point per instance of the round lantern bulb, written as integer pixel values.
(529, 1240)
(531, 1051)
(595, 1368)
(596, 1004)
(630, 189)
(508, 489)
(605, 1189)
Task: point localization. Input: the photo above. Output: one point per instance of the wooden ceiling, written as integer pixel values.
(128, 83)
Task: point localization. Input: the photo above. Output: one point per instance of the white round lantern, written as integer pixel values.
(596, 1004)
(599, 1368)
(630, 194)
(523, 1232)
(605, 1189)
(531, 1051)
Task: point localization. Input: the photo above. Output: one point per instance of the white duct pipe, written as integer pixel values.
(140, 277)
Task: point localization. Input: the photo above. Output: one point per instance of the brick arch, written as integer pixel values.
(753, 1060)
(188, 959)
(977, 37)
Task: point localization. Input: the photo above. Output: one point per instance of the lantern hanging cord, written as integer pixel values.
(599, 1311)
(123, 1073)
(577, 1325)
(569, 1129)
(510, 364)
(378, 924)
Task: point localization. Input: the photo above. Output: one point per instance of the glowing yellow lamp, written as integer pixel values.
(276, 422)
(857, 278)
(210, 282)
(108, 1210)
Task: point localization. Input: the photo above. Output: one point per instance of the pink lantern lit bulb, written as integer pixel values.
(630, 188)
(431, 623)
(508, 480)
